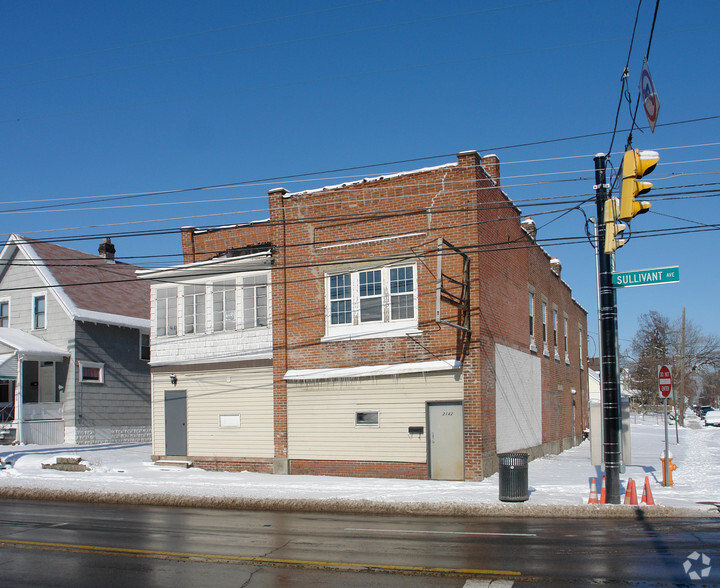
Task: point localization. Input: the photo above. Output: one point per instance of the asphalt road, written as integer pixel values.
(59, 544)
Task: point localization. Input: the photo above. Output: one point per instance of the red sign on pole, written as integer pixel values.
(650, 99)
(664, 381)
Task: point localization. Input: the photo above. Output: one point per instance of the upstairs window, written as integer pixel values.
(4, 313)
(224, 306)
(255, 302)
(39, 312)
(194, 306)
(371, 302)
(92, 373)
(531, 312)
(166, 312)
(544, 323)
(145, 346)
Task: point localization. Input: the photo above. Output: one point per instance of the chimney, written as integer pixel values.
(107, 250)
(491, 163)
(529, 225)
(556, 266)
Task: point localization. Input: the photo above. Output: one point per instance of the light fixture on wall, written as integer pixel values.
(173, 379)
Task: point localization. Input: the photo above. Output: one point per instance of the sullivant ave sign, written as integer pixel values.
(646, 277)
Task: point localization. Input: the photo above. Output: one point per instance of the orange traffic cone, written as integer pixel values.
(647, 496)
(602, 492)
(593, 493)
(633, 493)
(628, 489)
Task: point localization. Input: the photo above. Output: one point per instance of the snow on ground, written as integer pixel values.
(125, 473)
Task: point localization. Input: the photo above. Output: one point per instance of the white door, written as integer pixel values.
(46, 382)
(445, 440)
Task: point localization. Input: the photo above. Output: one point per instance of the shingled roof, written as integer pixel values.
(92, 287)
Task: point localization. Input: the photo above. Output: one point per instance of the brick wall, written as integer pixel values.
(402, 217)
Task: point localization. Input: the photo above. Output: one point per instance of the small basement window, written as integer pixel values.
(229, 421)
(367, 417)
(92, 373)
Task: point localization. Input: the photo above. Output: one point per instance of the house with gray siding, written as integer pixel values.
(74, 345)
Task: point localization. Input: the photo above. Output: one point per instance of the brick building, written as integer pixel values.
(417, 330)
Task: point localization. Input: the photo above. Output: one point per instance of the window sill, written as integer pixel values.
(533, 347)
(567, 360)
(546, 352)
(557, 357)
(372, 331)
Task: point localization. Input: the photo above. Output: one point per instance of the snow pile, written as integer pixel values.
(557, 483)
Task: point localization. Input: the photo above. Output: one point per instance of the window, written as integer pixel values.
(555, 334)
(367, 299)
(145, 346)
(224, 306)
(6, 394)
(531, 310)
(194, 306)
(255, 311)
(4, 313)
(92, 373)
(166, 310)
(544, 324)
(367, 417)
(580, 340)
(340, 300)
(39, 313)
(565, 340)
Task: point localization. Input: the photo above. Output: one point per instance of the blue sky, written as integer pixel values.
(100, 99)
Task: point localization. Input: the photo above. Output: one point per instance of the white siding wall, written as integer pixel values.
(518, 400)
(249, 393)
(321, 416)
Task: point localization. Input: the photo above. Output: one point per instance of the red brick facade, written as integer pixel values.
(402, 217)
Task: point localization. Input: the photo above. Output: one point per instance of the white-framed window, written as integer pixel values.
(92, 372)
(223, 295)
(39, 306)
(371, 302)
(555, 334)
(145, 346)
(367, 418)
(166, 312)
(255, 302)
(194, 308)
(229, 421)
(5, 313)
(565, 339)
(546, 351)
(580, 346)
(531, 317)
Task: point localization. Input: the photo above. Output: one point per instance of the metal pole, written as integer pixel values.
(608, 346)
(667, 449)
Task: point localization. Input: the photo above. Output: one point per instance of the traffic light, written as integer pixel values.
(613, 228)
(636, 164)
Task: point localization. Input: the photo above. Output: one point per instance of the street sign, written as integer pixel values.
(664, 381)
(646, 277)
(650, 99)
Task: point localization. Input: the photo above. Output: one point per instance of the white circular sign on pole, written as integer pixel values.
(664, 381)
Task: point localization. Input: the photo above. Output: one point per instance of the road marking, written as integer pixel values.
(429, 532)
(472, 583)
(124, 551)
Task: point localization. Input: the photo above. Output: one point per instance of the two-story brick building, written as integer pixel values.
(417, 331)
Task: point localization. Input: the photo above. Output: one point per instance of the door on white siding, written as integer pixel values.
(46, 382)
(176, 423)
(445, 440)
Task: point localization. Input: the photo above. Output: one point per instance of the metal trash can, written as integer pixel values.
(513, 470)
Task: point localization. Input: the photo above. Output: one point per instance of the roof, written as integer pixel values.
(90, 287)
(30, 347)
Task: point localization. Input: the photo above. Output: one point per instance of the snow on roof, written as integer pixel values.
(30, 347)
(367, 371)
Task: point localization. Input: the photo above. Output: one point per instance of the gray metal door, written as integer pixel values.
(176, 423)
(445, 440)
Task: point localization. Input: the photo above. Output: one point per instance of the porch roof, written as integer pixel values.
(29, 347)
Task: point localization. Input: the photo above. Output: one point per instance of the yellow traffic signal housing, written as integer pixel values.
(636, 164)
(613, 228)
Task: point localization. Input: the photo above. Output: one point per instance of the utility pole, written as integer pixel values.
(608, 345)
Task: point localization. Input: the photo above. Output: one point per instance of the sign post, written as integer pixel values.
(664, 390)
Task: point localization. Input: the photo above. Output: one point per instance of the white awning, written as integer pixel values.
(368, 371)
(30, 347)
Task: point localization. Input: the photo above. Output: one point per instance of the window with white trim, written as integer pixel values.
(580, 340)
(4, 313)
(91, 372)
(194, 308)
(544, 329)
(39, 311)
(224, 306)
(365, 418)
(555, 334)
(371, 301)
(166, 312)
(255, 302)
(565, 339)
